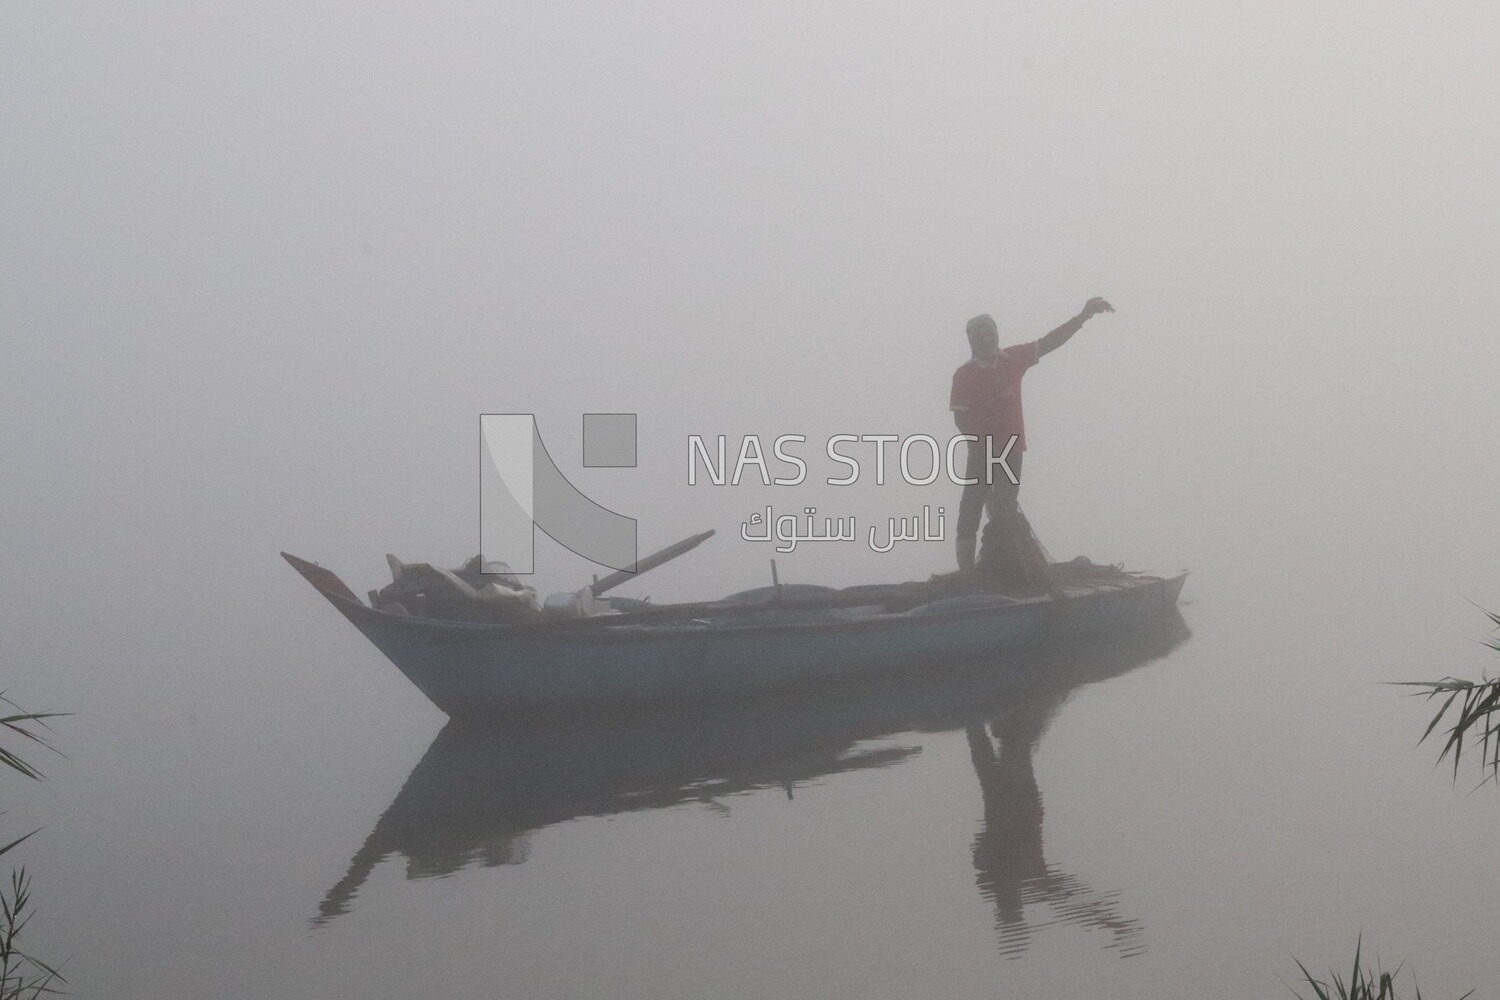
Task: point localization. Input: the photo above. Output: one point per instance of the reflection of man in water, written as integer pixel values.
(986, 402)
(1010, 868)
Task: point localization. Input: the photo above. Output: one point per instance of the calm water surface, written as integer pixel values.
(252, 811)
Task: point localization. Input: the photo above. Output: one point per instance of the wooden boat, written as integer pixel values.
(758, 641)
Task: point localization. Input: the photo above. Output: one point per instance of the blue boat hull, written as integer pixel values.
(469, 670)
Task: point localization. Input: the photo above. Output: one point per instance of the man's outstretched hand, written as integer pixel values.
(1059, 337)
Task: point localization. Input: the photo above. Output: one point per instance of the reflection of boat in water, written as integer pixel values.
(756, 642)
(479, 792)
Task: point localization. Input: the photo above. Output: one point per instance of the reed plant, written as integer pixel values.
(1468, 721)
(1363, 983)
(22, 975)
(1472, 709)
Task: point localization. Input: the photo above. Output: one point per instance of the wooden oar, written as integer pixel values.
(652, 561)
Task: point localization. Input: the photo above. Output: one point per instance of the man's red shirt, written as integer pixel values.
(987, 395)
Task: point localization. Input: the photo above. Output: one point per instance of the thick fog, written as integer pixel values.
(263, 266)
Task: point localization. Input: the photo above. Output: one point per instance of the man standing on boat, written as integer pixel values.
(986, 402)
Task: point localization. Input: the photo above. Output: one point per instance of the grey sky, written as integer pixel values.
(262, 266)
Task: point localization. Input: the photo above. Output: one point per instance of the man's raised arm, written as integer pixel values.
(1059, 337)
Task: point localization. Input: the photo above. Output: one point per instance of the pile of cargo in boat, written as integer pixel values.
(488, 592)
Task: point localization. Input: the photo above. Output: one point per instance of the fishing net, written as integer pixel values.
(1011, 553)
